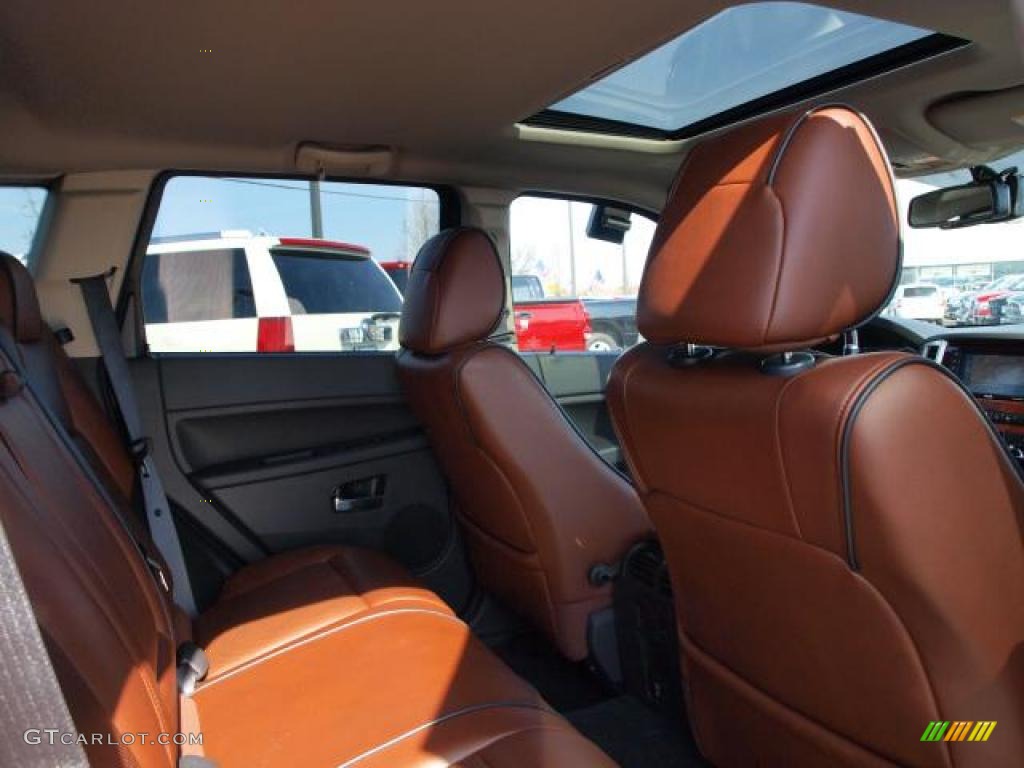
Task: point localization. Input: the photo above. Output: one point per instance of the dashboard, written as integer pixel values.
(989, 362)
(992, 369)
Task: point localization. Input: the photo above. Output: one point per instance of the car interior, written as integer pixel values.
(292, 476)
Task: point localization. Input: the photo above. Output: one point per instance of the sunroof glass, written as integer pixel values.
(738, 56)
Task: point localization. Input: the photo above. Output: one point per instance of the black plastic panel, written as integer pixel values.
(260, 445)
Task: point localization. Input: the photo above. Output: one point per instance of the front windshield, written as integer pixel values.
(960, 277)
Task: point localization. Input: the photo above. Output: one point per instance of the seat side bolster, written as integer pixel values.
(938, 512)
(594, 518)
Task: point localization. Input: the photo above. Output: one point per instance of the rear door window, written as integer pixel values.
(920, 292)
(21, 209)
(279, 265)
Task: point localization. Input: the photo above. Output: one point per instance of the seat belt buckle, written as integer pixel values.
(158, 572)
(192, 667)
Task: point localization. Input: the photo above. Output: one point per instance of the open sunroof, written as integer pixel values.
(743, 61)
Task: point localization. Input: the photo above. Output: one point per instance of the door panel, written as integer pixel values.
(274, 452)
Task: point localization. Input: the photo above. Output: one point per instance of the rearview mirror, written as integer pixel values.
(609, 224)
(989, 198)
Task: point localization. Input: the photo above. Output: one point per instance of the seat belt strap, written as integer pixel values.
(33, 701)
(158, 509)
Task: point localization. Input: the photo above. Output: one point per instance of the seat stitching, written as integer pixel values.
(467, 421)
(445, 718)
(306, 639)
(781, 457)
(713, 661)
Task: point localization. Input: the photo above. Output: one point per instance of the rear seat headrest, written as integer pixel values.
(455, 294)
(19, 305)
(779, 234)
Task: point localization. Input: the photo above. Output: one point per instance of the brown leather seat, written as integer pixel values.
(844, 537)
(263, 605)
(539, 507)
(379, 675)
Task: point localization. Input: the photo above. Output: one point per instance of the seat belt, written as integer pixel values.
(158, 509)
(33, 702)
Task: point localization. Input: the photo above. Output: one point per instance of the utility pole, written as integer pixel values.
(625, 267)
(572, 250)
(316, 215)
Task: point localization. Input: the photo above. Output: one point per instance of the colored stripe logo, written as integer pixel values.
(958, 730)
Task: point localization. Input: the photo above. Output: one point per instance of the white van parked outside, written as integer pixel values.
(918, 301)
(236, 292)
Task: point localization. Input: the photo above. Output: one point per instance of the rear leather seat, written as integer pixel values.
(327, 656)
(265, 604)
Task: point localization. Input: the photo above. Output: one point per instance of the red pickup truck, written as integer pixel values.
(544, 324)
(541, 324)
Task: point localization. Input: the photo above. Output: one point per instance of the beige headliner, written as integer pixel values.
(123, 84)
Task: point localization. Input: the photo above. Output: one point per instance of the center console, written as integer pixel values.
(993, 372)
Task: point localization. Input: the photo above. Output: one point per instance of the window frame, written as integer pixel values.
(129, 298)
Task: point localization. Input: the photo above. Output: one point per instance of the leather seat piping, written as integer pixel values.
(777, 161)
(858, 406)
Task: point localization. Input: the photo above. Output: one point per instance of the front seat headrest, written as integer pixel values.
(779, 235)
(455, 294)
(19, 305)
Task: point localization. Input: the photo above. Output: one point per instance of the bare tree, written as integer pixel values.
(525, 260)
(422, 220)
(31, 210)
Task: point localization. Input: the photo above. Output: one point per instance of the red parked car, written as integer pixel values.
(398, 271)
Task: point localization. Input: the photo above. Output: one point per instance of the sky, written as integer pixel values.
(735, 57)
(539, 233)
(370, 215)
(19, 212)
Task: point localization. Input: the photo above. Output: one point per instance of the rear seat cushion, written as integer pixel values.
(392, 689)
(493, 737)
(288, 596)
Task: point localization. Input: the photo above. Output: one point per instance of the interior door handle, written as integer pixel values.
(359, 495)
(357, 505)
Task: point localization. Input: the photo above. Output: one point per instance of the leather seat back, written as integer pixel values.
(110, 630)
(539, 507)
(844, 536)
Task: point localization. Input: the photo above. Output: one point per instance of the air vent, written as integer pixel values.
(664, 582)
(646, 566)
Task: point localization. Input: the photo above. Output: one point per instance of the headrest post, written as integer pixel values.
(851, 343)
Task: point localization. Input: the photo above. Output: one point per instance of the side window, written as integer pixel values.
(21, 209)
(574, 288)
(280, 265)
